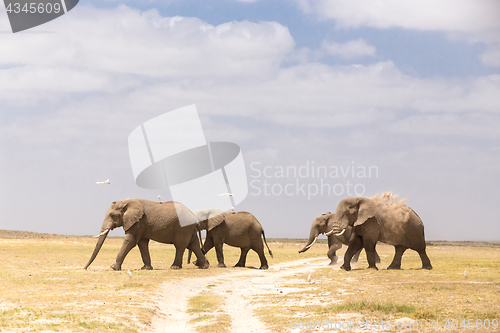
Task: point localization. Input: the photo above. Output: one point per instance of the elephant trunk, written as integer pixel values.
(98, 246)
(312, 239)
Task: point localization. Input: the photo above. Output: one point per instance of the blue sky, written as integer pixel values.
(412, 89)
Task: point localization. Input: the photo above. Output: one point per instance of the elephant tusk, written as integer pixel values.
(340, 233)
(329, 233)
(314, 241)
(102, 233)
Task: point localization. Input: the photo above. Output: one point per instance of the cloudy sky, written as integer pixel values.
(409, 90)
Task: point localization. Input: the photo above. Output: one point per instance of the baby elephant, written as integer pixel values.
(239, 229)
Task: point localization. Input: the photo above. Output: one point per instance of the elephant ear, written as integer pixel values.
(132, 213)
(215, 221)
(367, 209)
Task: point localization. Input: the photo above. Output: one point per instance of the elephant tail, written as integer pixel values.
(265, 242)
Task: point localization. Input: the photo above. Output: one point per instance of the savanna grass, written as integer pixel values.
(44, 287)
(439, 294)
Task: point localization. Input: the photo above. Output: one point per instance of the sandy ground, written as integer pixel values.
(239, 287)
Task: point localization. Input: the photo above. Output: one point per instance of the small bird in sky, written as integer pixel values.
(104, 182)
(466, 274)
(226, 194)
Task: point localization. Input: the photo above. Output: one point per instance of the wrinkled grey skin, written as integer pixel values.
(239, 229)
(321, 224)
(365, 222)
(143, 220)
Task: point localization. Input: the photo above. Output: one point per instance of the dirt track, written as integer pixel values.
(238, 285)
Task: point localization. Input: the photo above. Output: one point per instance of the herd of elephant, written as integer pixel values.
(358, 222)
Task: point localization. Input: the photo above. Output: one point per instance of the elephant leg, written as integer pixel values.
(355, 246)
(209, 244)
(243, 257)
(146, 258)
(333, 246)
(396, 262)
(201, 260)
(262, 257)
(355, 258)
(128, 244)
(220, 255)
(179, 252)
(332, 255)
(426, 262)
(369, 246)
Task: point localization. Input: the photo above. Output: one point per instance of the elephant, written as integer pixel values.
(240, 229)
(320, 225)
(362, 222)
(143, 220)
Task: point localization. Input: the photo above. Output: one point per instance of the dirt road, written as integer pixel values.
(239, 286)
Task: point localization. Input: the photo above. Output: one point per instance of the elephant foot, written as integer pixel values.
(345, 267)
(175, 267)
(373, 267)
(427, 267)
(221, 265)
(116, 267)
(264, 267)
(204, 266)
(239, 265)
(333, 260)
(147, 267)
(394, 267)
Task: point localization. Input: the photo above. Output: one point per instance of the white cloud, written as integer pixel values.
(125, 40)
(352, 49)
(446, 15)
(474, 21)
(106, 71)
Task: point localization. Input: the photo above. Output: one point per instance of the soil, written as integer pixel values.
(240, 287)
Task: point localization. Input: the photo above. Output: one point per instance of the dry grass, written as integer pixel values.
(440, 294)
(208, 316)
(45, 288)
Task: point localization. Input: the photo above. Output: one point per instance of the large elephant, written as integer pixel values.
(239, 229)
(362, 222)
(321, 224)
(143, 220)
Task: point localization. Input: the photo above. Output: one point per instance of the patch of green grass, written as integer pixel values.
(204, 303)
(97, 326)
(375, 306)
(209, 318)
(129, 286)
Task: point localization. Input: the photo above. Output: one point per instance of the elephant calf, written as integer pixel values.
(239, 229)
